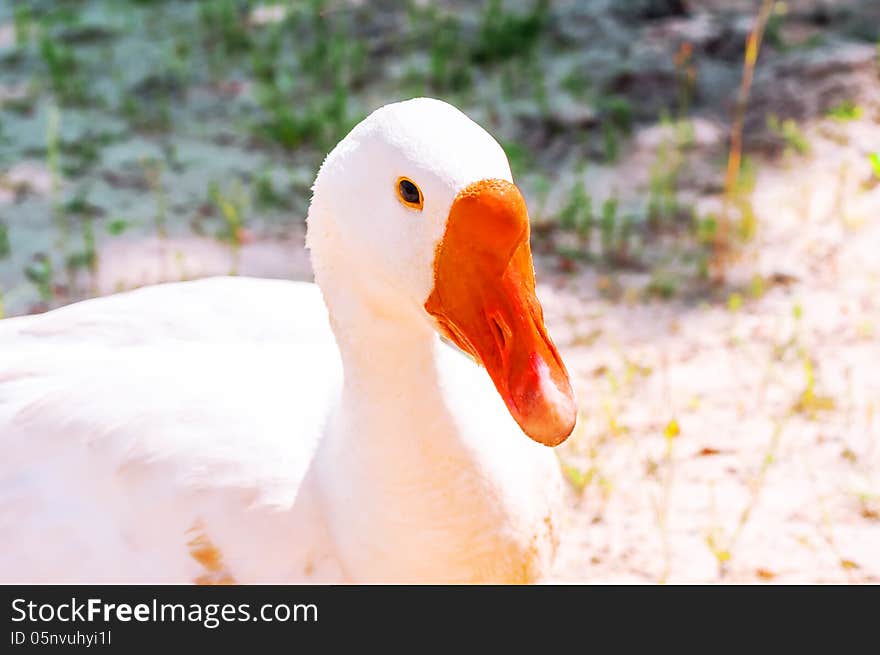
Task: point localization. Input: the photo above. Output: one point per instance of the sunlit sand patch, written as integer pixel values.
(267, 14)
(7, 35)
(128, 264)
(30, 176)
(13, 92)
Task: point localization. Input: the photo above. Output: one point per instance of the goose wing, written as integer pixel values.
(165, 434)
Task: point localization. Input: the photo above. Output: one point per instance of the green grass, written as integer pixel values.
(5, 245)
(663, 285)
(577, 215)
(40, 273)
(53, 163)
(505, 34)
(79, 156)
(449, 70)
(845, 111)
(578, 82)
(265, 195)
(87, 256)
(617, 121)
(64, 71)
(153, 170)
(607, 226)
(232, 206)
(23, 22)
(874, 159)
(117, 226)
(810, 402)
(79, 205)
(224, 26)
(790, 133)
(663, 204)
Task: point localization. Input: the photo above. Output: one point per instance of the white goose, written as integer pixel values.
(222, 430)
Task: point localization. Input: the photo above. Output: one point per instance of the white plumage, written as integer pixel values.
(204, 431)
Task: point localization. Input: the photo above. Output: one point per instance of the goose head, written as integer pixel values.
(416, 206)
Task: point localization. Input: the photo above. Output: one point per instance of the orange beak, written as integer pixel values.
(484, 301)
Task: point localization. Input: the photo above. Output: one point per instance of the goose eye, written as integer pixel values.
(409, 193)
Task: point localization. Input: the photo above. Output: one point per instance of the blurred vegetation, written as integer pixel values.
(287, 80)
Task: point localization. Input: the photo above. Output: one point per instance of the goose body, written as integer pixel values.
(243, 430)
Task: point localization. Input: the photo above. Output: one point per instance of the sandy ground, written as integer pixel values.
(738, 444)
